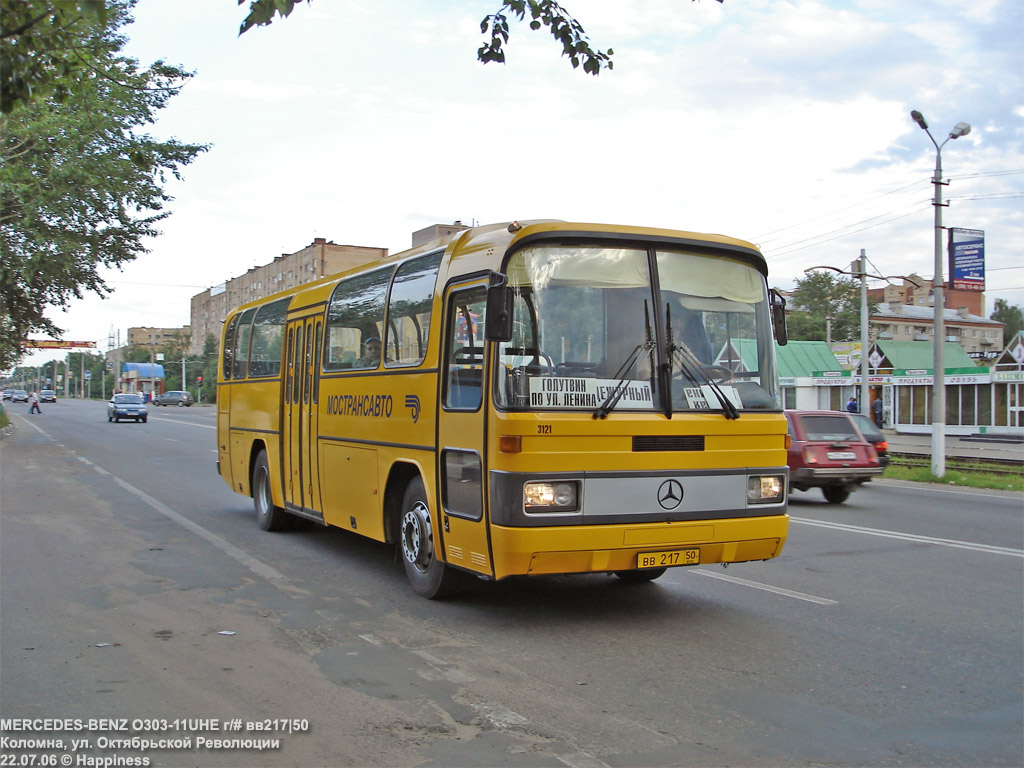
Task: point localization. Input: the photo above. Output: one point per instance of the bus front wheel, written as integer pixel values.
(269, 517)
(427, 574)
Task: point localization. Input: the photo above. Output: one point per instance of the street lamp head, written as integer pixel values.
(960, 129)
(919, 119)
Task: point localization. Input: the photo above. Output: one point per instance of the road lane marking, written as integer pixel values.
(935, 488)
(581, 759)
(766, 587)
(179, 421)
(955, 543)
(253, 564)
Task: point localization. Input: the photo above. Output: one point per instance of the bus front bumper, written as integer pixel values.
(608, 548)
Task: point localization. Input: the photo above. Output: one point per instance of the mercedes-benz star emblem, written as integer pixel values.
(670, 494)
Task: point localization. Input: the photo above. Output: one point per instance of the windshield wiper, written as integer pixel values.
(693, 369)
(622, 382)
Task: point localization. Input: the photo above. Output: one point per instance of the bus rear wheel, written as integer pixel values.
(427, 574)
(269, 517)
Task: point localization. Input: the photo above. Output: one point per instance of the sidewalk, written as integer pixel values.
(955, 446)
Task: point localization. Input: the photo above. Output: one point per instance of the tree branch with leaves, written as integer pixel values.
(543, 14)
(81, 184)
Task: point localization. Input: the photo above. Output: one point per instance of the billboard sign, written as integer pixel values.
(967, 259)
(57, 344)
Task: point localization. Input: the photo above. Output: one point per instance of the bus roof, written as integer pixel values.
(481, 244)
(475, 249)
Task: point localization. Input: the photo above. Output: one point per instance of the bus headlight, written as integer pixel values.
(550, 497)
(765, 489)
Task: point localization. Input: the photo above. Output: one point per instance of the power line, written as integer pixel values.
(993, 196)
(880, 219)
(842, 233)
(988, 173)
(765, 238)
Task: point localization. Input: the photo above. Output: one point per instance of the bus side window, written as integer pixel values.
(268, 339)
(241, 351)
(355, 316)
(464, 349)
(409, 308)
(228, 351)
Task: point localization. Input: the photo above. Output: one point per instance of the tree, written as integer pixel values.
(1011, 316)
(45, 47)
(81, 185)
(821, 298)
(543, 13)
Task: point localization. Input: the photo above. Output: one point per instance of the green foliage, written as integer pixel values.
(963, 478)
(81, 184)
(543, 13)
(824, 296)
(262, 12)
(1011, 315)
(46, 48)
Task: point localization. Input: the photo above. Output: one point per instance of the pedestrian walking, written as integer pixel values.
(851, 406)
(876, 409)
(33, 404)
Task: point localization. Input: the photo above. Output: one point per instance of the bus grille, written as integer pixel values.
(668, 443)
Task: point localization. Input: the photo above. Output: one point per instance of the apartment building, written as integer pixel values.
(155, 338)
(906, 313)
(979, 336)
(318, 259)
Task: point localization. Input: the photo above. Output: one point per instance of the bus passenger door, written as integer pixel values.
(461, 430)
(315, 333)
(301, 392)
(291, 411)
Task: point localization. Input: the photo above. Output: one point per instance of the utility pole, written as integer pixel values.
(865, 396)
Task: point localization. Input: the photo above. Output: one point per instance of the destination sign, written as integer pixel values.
(569, 392)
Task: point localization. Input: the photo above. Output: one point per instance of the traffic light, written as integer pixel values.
(199, 380)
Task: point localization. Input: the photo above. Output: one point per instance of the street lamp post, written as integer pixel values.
(859, 269)
(939, 365)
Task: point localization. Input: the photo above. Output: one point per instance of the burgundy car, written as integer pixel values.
(827, 451)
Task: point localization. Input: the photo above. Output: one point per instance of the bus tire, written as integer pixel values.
(269, 517)
(641, 577)
(427, 573)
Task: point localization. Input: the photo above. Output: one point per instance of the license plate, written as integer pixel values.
(663, 559)
(842, 455)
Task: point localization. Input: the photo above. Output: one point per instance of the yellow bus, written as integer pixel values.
(519, 399)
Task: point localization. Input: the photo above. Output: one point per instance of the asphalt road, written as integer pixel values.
(889, 633)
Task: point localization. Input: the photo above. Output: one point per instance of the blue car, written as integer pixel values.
(127, 406)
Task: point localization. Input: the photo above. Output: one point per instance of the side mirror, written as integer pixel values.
(779, 317)
(499, 309)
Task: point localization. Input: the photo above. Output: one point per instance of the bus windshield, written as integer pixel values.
(608, 328)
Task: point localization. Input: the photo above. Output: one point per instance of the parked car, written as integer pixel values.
(873, 435)
(127, 406)
(174, 397)
(827, 451)
(47, 396)
(19, 396)
(8, 394)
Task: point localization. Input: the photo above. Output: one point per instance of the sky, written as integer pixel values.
(785, 123)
